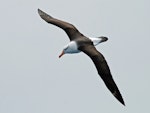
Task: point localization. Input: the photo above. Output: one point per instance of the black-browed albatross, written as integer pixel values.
(78, 43)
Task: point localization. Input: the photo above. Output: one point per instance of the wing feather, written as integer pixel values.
(70, 29)
(103, 70)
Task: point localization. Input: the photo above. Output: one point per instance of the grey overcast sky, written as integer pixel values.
(34, 80)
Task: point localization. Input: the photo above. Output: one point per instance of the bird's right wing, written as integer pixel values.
(71, 30)
(103, 69)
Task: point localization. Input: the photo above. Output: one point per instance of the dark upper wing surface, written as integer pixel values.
(103, 70)
(71, 31)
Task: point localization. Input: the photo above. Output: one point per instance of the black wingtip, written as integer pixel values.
(43, 15)
(121, 101)
(119, 97)
(40, 11)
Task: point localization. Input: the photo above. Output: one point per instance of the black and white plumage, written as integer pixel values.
(78, 43)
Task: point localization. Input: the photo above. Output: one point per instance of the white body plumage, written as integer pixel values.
(72, 47)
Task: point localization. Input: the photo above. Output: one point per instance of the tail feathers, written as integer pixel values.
(103, 38)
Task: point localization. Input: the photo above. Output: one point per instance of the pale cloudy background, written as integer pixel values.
(34, 80)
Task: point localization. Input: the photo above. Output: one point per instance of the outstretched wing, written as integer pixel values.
(71, 31)
(103, 69)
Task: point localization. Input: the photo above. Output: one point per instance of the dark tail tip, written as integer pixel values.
(103, 38)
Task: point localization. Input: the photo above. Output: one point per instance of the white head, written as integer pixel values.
(70, 48)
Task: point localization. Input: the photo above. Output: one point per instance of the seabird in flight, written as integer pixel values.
(79, 42)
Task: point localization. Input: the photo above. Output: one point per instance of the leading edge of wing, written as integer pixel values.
(103, 70)
(70, 29)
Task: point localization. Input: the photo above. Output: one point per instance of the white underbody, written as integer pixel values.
(72, 47)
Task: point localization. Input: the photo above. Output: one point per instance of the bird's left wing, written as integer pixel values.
(103, 69)
(70, 29)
